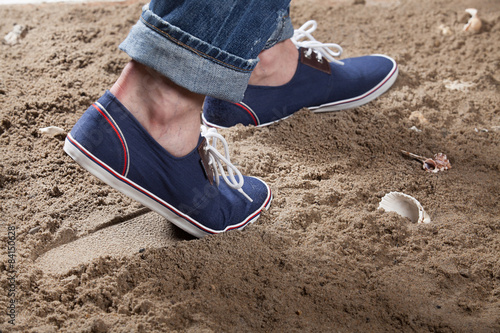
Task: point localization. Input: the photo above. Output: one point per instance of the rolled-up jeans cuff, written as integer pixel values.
(187, 60)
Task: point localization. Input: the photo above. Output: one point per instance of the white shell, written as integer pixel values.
(474, 24)
(52, 130)
(405, 205)
(14, 36)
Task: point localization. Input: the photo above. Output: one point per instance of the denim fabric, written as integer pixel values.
(209, 47)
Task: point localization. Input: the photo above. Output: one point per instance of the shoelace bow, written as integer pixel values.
(216, 160)
(302, 37)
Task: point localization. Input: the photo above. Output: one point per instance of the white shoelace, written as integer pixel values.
(216, 160)
(302, 37)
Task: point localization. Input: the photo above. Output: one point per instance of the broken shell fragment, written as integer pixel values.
(445, 30)
(458, 85)
(439, 163)
(52, 130)
(474, 24)
(415, 129)
(405, 205)
(13, 37)
(417, 115)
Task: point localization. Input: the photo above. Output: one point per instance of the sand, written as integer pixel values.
(323, 258)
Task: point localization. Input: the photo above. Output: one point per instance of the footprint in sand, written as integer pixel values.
(122, 239)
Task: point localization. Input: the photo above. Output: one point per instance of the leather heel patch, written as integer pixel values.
(205, 159)
(313, 62)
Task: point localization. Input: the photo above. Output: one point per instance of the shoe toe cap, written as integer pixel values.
(244, 211)
(373, 68)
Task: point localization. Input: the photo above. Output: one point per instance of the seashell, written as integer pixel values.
(474, 24)
(429, 165)
(52, 130)
(405, 205)
(439, 163)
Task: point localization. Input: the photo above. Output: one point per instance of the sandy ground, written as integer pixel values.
(323, 258)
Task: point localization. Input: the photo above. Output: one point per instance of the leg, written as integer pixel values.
(168, 112)
(277, 65)
(142, 137)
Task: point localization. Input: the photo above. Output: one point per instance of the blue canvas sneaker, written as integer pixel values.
(321, 83)
(110, 143)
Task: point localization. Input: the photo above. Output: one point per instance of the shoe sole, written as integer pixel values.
(124, 185)
(350, 103)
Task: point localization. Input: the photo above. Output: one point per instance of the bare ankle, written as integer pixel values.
(277, 65)
(170, 113)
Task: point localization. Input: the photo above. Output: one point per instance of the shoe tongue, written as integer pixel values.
(312, 61)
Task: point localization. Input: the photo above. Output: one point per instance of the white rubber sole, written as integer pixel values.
(102, 171)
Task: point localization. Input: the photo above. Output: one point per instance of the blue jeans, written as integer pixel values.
(209, 47)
